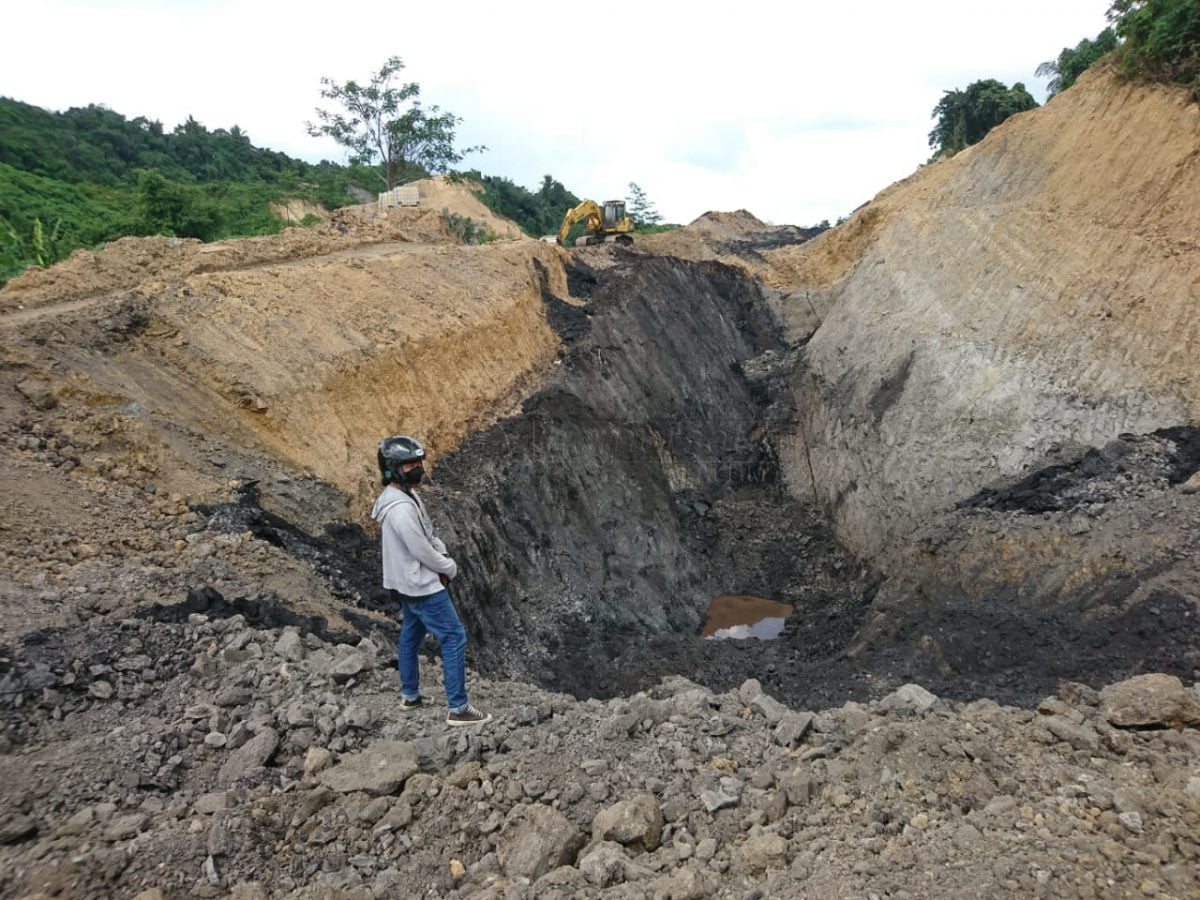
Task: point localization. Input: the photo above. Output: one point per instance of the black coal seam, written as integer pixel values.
(1187, 453)
(1015, 651)
(265, 611)
(1039, 491)
(344, 556)
(569, 322)
(660, 330)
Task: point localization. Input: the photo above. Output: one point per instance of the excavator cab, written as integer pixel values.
(614, 212)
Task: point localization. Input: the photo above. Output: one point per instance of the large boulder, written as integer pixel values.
(349, 666)
(1148, 701)
(380, 769)
(636, 822)
(537, 840)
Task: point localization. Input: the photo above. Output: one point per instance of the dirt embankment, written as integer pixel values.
(300, 357)
(156, 375)
(1037, 290)
(442, 194)
(129, 262)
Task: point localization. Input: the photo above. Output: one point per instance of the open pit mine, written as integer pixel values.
(862, 563)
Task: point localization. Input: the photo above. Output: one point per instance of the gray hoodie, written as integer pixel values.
(413, 557)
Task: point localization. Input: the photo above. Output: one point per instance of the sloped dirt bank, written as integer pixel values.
(1036, 291)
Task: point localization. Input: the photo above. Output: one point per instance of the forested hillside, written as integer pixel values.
(89, 175)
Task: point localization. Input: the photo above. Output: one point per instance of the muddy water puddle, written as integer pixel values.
(738, 617)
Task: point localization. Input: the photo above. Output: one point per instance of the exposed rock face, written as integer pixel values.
(1023, 295)
(1001, 398)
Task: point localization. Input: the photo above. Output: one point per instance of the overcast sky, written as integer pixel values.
(796, 111)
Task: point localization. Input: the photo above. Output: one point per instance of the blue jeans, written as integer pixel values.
(434, 615)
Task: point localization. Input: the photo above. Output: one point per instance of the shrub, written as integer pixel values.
(1161, 39)
(1074, 61)
(466, 229)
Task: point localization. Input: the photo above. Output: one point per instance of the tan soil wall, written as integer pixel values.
(1039, 288)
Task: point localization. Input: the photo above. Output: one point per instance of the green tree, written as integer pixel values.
(383, 122)
(1161, 39)
(964, 117)
(641, 210)
(1074, 61)
(174, 208)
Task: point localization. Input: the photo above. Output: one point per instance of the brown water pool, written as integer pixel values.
(738, 617)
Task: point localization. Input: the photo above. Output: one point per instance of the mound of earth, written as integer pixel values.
(735, 238)
(460, 197)
(128, 262)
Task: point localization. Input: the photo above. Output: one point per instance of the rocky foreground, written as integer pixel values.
(208, 758)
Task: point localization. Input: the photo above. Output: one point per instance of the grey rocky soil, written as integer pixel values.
(210, 758)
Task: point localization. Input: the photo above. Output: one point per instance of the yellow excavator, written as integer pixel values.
(607, 223)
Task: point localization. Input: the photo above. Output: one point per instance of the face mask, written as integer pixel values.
(413, 476)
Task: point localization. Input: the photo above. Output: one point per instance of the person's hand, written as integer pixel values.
(444, 580)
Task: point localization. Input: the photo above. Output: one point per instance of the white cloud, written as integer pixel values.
(795, 111)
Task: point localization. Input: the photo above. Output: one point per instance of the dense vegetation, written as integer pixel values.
(88, 175)
(1160, 39)
(964, 117)
(1074, 61)
(1157, 40)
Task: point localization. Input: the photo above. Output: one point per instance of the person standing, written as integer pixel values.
(417, 571)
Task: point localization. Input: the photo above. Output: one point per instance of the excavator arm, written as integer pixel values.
(588, 210)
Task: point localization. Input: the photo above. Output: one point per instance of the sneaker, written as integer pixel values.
(468, 716)
(406, 704)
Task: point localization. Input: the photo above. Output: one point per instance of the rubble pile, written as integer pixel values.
(210, 758)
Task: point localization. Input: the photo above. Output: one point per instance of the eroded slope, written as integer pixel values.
(1036, 290)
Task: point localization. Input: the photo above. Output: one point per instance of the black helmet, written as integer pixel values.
(394, 452)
